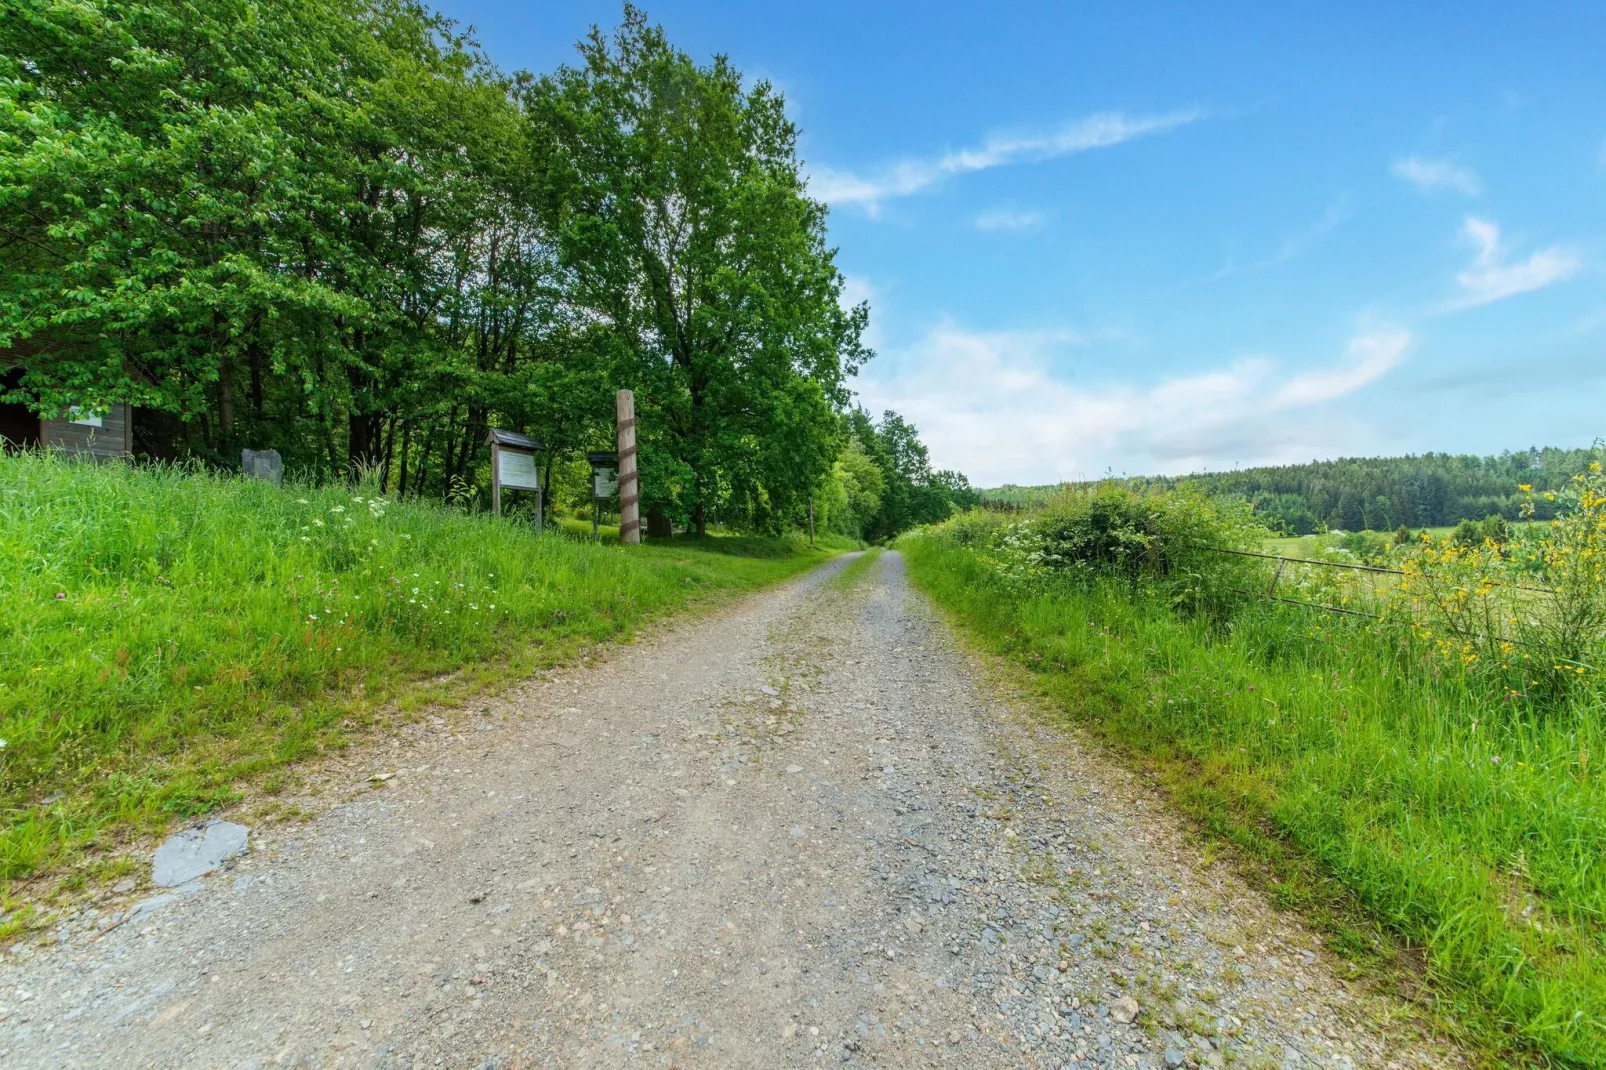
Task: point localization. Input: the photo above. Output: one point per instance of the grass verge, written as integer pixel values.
(1411, 818)
(169, 635)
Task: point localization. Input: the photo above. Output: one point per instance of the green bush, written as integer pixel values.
(1367, 546)
(1181, 545)
(1469, 533)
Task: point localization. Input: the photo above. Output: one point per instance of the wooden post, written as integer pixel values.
(811, 521)
(496, 483)
(629, 482)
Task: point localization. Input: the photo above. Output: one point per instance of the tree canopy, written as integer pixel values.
(675, 196)
(336, 229)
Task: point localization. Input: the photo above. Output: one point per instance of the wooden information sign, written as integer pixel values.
(513, 466)
(604, 483)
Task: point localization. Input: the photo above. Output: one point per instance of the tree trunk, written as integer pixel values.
(423, 461)
(225, 399)
(407, 441)
(546, 488)
(390, 451)
(700, 519)
(254, 351)
(447, 452)
(474, 423)
(329, 445)
(362, 443)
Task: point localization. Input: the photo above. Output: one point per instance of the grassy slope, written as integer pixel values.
(1369, 790)
(170, 635)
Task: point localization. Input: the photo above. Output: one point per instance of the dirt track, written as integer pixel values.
(805, 830)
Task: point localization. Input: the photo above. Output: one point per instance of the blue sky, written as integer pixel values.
(1159, 238)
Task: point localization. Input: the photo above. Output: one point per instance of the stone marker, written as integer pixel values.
(263, 464)
(193, 852)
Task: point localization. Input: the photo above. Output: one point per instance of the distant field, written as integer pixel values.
(170, 635)
(1304, 545)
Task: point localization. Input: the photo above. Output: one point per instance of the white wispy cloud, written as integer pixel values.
(1370, 355)
(1294, 245)
(1007, 219)
(1000, 150)
(1491, 277)
(1429, 175)
(994, 405)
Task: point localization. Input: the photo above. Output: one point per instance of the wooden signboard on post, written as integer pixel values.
(604, 483)
(513, 466)
(629, 483)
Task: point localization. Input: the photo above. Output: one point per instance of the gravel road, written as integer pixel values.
(806, 830)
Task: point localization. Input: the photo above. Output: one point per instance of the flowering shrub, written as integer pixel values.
(1171, 543)
(1532, 609)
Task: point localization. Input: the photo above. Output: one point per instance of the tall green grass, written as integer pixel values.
(1347, 759)
(166, 633)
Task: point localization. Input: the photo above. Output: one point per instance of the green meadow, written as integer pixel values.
(172, 635)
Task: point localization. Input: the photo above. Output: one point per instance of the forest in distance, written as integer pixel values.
(1367, 493)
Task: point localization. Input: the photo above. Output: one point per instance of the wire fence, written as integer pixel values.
(1271, 594)
(1373, 572)
(1346, 564)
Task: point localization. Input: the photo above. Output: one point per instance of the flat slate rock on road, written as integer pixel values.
(804, 831)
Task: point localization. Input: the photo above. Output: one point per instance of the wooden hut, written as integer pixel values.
(106, 437)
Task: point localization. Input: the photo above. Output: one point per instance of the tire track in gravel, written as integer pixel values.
(804, 831)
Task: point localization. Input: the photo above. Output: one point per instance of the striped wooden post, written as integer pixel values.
(629, 481)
